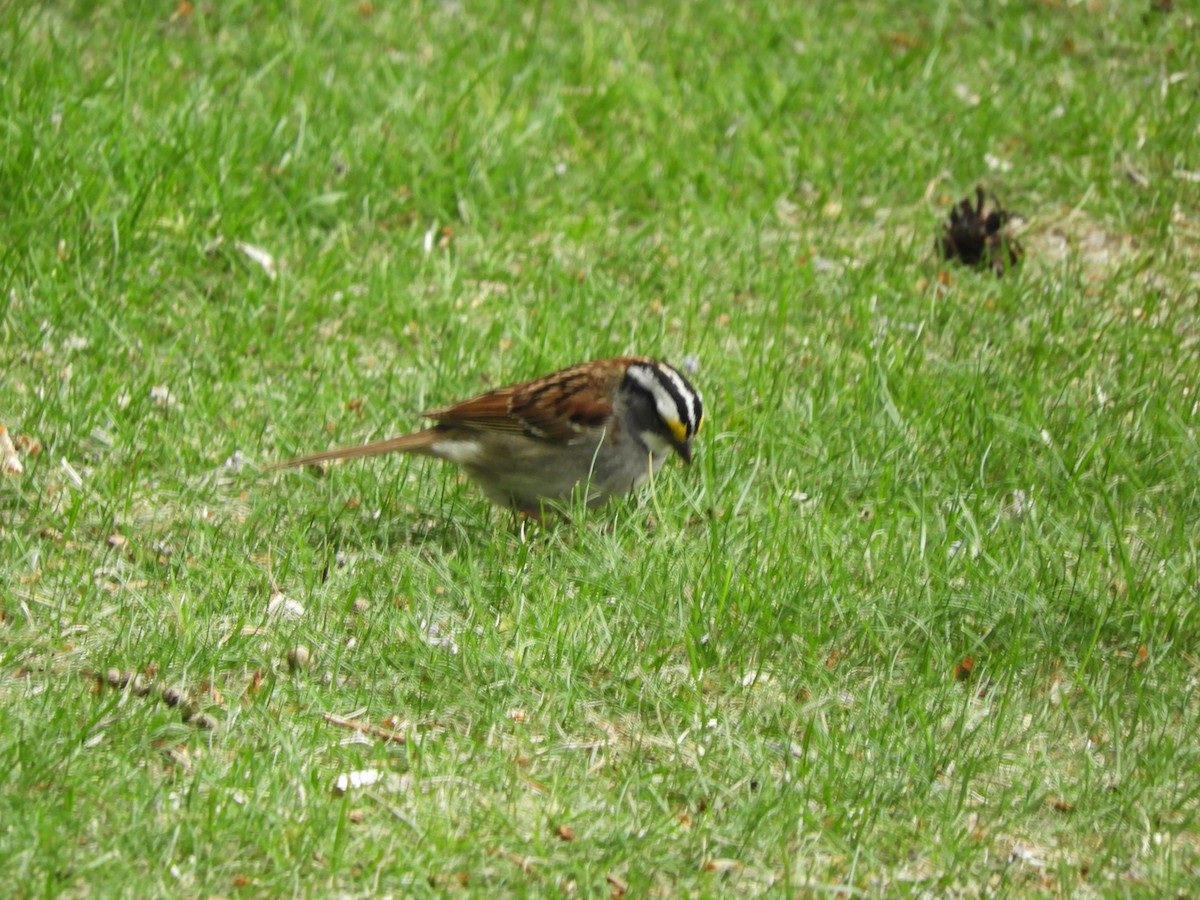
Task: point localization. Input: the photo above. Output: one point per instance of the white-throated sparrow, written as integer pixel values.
(606, 424)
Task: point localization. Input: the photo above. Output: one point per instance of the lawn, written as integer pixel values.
(921, 618)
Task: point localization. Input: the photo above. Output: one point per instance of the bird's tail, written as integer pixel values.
(417, 442)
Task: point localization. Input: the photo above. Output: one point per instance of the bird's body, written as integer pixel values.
(607, 424)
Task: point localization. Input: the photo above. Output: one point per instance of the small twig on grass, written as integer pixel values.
(522, 862)
(376, 731)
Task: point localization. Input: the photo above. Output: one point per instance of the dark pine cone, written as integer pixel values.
(979, 237)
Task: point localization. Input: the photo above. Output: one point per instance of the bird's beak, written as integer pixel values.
(680, 442)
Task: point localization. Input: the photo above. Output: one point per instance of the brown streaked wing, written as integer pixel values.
(488, 410)
(555, 407)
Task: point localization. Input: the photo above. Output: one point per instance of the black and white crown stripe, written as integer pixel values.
(675, 399)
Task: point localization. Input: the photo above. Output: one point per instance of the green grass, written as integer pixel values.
(752, 678)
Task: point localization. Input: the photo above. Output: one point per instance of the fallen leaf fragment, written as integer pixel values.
(389, 782)
(620, 887)
(259, 256)
(721, 865)
(161, 396)
(299, 657)
(10, 463)
(352, 781)
(283, 607)
(522, 862)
